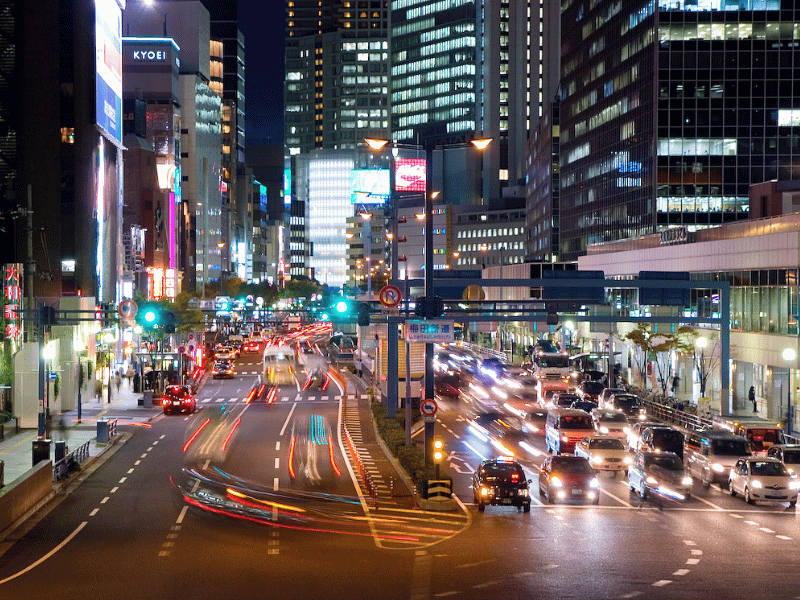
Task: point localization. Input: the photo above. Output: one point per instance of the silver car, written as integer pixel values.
(763, 479)
(660, 473)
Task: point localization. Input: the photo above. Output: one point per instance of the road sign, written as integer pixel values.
(53, 376)
(127, 309)
(206, 304)
(191, 337)
(390, 295)
(435, 331)
(428, 407)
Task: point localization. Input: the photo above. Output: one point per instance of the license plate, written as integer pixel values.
(176, 403)
(506, 501)
(577, 491)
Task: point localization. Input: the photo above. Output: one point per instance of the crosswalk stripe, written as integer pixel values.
(205, 400)
(234, 399)
(219, 400)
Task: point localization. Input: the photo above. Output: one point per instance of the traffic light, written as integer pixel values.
(429, 307)
(48, 315)
(168, 320)
(438, 454)
(363, 314)
(341, 309)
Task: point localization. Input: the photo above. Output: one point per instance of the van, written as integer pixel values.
(661, 438)
(565, 427)
(762, 436)
(710, 455)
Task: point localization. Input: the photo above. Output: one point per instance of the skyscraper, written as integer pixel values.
(670, 111)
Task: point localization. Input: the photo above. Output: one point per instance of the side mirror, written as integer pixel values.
(530, 480)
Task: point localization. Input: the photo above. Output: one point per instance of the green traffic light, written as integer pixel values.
(150, 316)
(341, 306)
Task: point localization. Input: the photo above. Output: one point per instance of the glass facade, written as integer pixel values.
(724, 99)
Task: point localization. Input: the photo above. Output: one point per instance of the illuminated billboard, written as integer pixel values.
(108, 66)
(369, 186)
(409, 174)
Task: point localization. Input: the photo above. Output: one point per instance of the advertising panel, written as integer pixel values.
(108, 66)
(369, 186)
(409, 174)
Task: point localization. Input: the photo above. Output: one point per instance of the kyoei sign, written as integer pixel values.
(149, 55)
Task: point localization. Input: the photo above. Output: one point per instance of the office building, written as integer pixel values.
(669, 112)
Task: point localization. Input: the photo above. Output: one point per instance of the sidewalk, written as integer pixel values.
(16, 451)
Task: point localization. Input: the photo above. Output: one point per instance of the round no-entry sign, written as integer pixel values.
(428, 407)
(127, 309)
(390, 296)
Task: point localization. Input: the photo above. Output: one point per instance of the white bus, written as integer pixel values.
(279, 365)
(551, 371)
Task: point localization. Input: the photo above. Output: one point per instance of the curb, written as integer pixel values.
(404, 476)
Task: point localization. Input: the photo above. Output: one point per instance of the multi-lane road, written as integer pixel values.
(257, 500)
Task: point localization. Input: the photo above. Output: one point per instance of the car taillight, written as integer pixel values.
(514, 477)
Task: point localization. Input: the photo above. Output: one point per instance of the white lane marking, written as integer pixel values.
(692, 561)
(620, 500)
(94, 512)
(709, 503)
(137, 463)
(106, 499)
(277, 462)
(275, 484)
(689, 543)
(783, 537)
(662, 582)
(150, 449)
(696, 552)
(205, 464)
(681, 572)
(195, 486)
(155, 442)
(735, 516)
(131, 471)
(114, 489)
(752, 523)
(482, 457)
(48, 555)
(144, 455)
(182, 514)
(163, 435)
(123, 480)
(289, 416)
(766, 530)
(234, 399)
(277, 446)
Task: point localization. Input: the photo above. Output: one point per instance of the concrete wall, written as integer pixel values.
(22, 495)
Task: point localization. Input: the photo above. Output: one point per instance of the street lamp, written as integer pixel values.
(789, 355)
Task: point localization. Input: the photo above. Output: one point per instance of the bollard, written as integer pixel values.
(60, 451)
(41, 451)
(102, 431)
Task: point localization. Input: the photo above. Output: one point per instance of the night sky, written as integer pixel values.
(262, 23)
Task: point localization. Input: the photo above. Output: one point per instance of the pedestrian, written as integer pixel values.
(752, 396)
(118, 381)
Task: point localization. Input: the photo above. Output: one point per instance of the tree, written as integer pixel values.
(703, 345)
(657, 348)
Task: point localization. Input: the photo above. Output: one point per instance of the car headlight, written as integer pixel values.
(555, 482)
(794, 485)
(594, 484)
(485, 491)
(627, 430)
(564, 438)
(603, 429)
(628, 460)
(718, 467)
(756, 483)
(525, 493)
(686, 481)
(597, 460)
(652, 480)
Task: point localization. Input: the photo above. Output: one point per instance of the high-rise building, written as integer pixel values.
(337, 75)
(670, 111)
(461, 70)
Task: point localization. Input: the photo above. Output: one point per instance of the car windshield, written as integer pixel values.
(576, 422)
(791, 456)
(572, 466)
(613, 417)
(564, 400)
(768, 468)
(667, 436)
(626, 402)
(503, 472)
(606, 444)
(552, 362)
(769, 436)
(671, 463)
(731, 447)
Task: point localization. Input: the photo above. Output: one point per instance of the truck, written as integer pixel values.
(551, 371)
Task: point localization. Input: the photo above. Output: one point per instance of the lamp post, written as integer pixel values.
(79, 347)
(789, 355)
(366, 228)
(48, 354)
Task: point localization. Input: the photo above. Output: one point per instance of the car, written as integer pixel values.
(494, 423)
(606, 394)
(635, 435)
(629, 404)
(711, 454)
(788, 454)
(251, 346)
(604, 453)
(590, 390)
(659, 473)
(662, 438)
(584, 405)
(501, 482)
(763, 479)
(222, 370)
(564, 428)
(762, 436)
(563, 399)
(568, 477)
(534, 420)
(611, 422)
(178, 398)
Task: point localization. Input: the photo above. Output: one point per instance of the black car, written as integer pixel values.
(627, 403)
(590, 390)
(501, 482)
(178, 398)
(662, 439)
(564, 399)
(584, 405)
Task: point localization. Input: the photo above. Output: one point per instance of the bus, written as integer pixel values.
(279, 365)
(551, 371)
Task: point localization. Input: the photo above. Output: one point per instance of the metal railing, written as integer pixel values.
(372, 490)
(672, 414)
(70, 462)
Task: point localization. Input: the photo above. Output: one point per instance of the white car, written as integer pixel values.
(604, 453)
(659, 473)
(611, 422)
(764, 479)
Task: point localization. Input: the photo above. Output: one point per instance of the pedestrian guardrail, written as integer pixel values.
(681, 418)
(365, 476)
(70, 462)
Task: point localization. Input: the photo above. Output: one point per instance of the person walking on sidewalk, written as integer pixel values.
(752, 396)
(118, 381)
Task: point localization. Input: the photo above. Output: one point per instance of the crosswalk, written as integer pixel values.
(287, 398)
